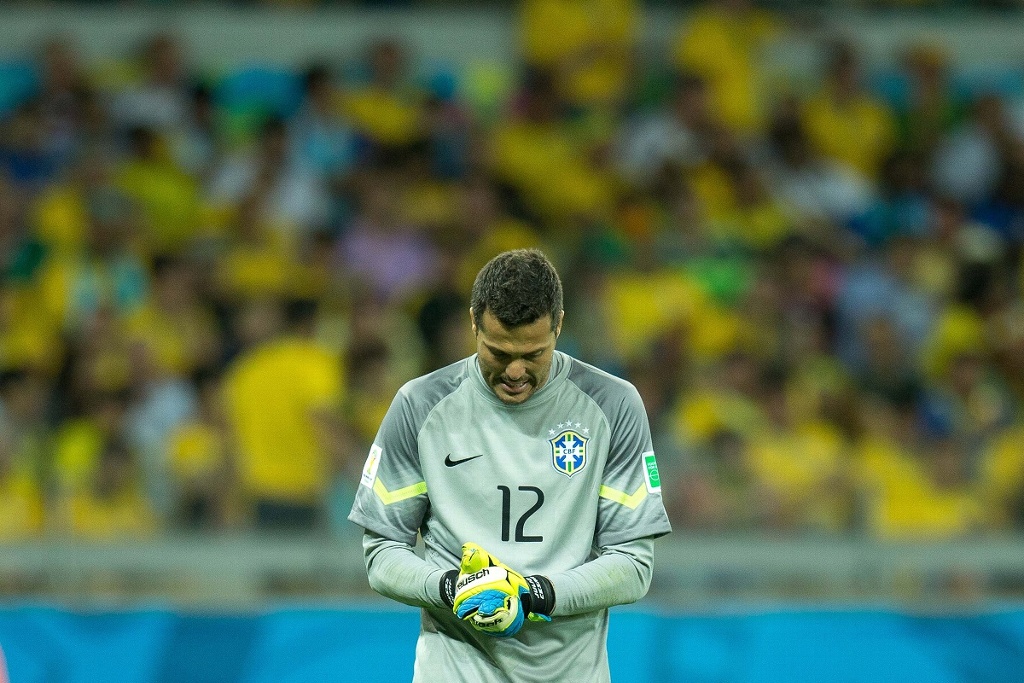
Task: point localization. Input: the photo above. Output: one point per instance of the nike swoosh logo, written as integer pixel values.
(452, 463)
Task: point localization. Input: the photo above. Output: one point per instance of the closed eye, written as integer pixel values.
(505, 357)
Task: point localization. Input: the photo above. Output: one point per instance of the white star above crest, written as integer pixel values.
(551, 432)
(561, 425)
(586, 430)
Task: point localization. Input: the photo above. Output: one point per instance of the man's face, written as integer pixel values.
(515, 361)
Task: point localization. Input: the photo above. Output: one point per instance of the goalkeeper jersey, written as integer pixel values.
(542, 485)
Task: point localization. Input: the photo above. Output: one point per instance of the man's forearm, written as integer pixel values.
(396, 572)
(620, 575)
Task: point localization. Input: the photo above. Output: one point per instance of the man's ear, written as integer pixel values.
(472, 320)
(558, 327)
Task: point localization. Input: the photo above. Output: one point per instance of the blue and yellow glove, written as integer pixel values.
(494, 598)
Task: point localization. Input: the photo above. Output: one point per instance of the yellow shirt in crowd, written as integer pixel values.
(196, 451)
(125, 514)
(860, 133)
(169, 200)
(1001, 476)
(81, 511)
(904, 501)
(21, 505)
(272, 394)
(803, 468)
(551, 168)
(387, 117)
(258, 268)
(587, 42)
(724, 48)
(76, 453)
(60, 218)
(179, 342)
(638, 307)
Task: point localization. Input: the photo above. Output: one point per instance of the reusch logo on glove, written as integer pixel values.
(489, 573)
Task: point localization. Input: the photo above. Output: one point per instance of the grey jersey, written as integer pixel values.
(542, 485)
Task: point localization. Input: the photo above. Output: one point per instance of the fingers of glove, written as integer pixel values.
(485, 603)
(501, 624)
(475, 558)
(488, 579)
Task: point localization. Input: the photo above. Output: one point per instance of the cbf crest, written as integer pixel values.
(569, 448)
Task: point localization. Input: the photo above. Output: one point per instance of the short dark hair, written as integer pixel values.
(518, 287)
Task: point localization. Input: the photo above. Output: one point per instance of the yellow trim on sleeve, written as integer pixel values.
(389, 497)
(630, 501)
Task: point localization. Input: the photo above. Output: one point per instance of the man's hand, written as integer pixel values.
(495, 599)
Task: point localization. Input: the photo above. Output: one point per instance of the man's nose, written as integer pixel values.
(515, 370)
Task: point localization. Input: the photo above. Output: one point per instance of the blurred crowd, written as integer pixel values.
(211, 285)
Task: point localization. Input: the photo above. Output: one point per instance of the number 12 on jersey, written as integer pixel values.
(506, 514)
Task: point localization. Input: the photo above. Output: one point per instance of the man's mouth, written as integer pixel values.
(514, 388)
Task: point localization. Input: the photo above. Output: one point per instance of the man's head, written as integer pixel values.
(516, 310)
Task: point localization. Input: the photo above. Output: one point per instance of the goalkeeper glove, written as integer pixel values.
(494, 598)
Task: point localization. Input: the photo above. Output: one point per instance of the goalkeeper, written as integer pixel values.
(532, 479)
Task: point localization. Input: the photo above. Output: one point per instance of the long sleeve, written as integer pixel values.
(621, 574)
(396, 572)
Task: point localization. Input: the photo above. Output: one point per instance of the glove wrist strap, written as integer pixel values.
(447, 587)
(541, 598)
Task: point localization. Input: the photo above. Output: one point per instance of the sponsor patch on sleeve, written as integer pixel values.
(651, 476)
(370, 468)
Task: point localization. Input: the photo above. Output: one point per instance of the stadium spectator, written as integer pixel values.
(293, 198)
(1003, 209)
(321, 138)
(845, 121)
(25, 155)
(160, 401)
(99, 492)
(282, 400)
(882, 285)
(913, 486)
(201, 462)
(817, 189)
(724, 42)
(23, 452)
(174, 322)
(548, 168)
(1000, 479)
(252, 259)
(968, 159)
(672, 136)
(903, 205)
(158, 100)
(931, 108)
(591, 52)
(106, 270)
(384, 252)
(198, 145)
(62, 86)
(386, 107)
(166, 199)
